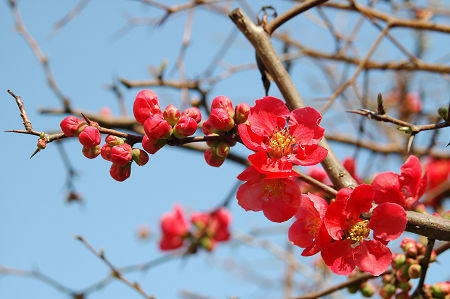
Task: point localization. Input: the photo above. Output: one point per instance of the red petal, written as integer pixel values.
(335, 219)
(304, 125)
(388, 221)
(264, 116)
(250, 174)
(251, 196)
(278, 210)
(338, 256)
(264, 164)
(387, 188)
(373, 257)
(360, 200)
(410, 175)
(321, 240)
(251, 140)
(299, 234)
(309, 155)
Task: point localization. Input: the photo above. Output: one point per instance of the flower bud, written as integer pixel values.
(70, 125)
(242, 112)
(212, 143)
(406, 243)
(387, 291)
(106, 152)
(441, 289)
(121, 154)
(411, 250)
(157, 127)
(171, 114)
(185, 127)
(443, 112)
(414, 271)
(405, 286)
(140, 156)
(145, 104)
(112, 140)
(221, 119)
(402, 273)
(398, 260)
(89, 137)
(212, 159)
(222, 102)
(193, 112)
(42, 143)
(222, 150)
(420, 248)
(402, 295)
(152, 145)
(387, 278)
(208, 128)
(367, 290)
(120, 173)
(92, 152)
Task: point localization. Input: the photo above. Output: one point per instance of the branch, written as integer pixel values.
(424, 263)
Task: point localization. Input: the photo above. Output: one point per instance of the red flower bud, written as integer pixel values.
(221, 119)
(145, 104)
(398, 260)
(152, 145)
(70, 125)
(208, 128)
(225, 103)
(112, 140)
(171, 114)
(140, 156)
(387, 278)
(185, 127)
(242, 112)
(157, 127)
(193, 112)
(92, 152)
(222, 150)
(121, 154)
(212, 159)
(41, 144)
(106, 152)
(414, 271)
(402, 274)
(89, 137)
(120, 173)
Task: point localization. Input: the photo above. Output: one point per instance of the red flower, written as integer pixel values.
(121, 154)
(278, 198)
(174, 228)
(278, 147)
(438, 172)
(70, 125)
(352, 246)
(89, 137)
(404, 189)
(309, 230)
(215, 224)
(350, 165)
(145, 104)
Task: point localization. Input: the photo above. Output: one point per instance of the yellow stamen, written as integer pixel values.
(358, 231)
(281, 144)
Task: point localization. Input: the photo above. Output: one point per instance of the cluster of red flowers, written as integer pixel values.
(209, 228)
(222, 122)
(114, 150)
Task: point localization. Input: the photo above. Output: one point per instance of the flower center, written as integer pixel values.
(281, 144)
(358, 231)
(273, 188)
(313, 225)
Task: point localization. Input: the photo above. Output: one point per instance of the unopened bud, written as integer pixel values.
(106, 152)
(92, 152)
(221, 120)
(120, 173)
(41, 144)
(152, 145)
(406, 243)
(112, 140)
(208, 128)
(185, 127)
(212, 159)
(193, 112)
(414, 271)
(398, 260)
(121, 154)
(171, 114)
(402, 273)
(222, 102)
(222, 150)
(420, 248)
(70, 125)
(406, 130)
(367, 290)
(140, 156)
(387, 291)
(387, 278)
(242, 112)
(405, 286)
(89, 137)
(441, 289)
(145, 104)
(157, 127)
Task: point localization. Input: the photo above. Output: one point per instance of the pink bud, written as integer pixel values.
(398, 260)
(242, 112)
(41, 144)
(121, 154)
(185, 127)
(112, 140)
(414, 271)
(106, 152)
(157, 127)
(120, 173)
(92, 152)
(212, 159)
(208, 128)
(193, 112)
(224, 103)
(145, 104)
(140, 156)
(152, 145)
(221, 120)
(89, 137)
(70, 125)
(406, 242)
(222, 150)
(171, 114)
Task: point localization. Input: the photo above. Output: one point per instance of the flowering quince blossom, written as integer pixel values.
(175, 228)
(214, 225)
(278, 198)
(352, 246)
(309, 230)
(438, 172)
(404, 189)
(278, 147)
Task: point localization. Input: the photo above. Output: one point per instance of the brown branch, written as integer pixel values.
(261, 42)
(157, 82)
(69, 16)
(424, 263)
(293, 12)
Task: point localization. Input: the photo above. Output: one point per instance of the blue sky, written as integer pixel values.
(37, 226)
